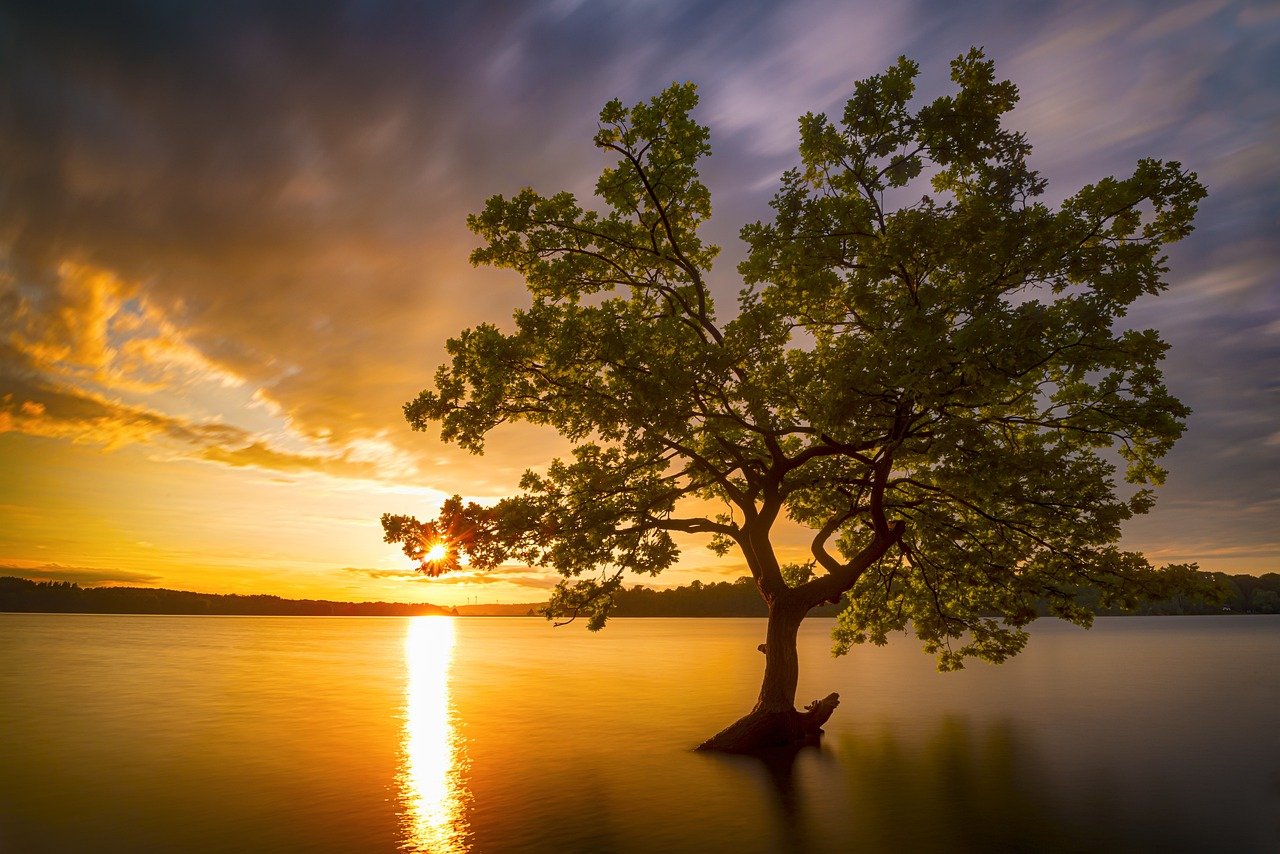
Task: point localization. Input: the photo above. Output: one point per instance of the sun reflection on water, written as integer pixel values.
(432, 782)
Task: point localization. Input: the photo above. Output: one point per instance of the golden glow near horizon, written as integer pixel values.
(432, 787)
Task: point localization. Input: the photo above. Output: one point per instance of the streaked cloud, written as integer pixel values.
(515, 576)
(88, 418)
(31, 407)
(259, 455)
(82, 575)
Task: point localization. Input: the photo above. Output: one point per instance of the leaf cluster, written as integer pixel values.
(927, 367)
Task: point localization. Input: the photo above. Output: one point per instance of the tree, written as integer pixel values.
(1265, 601)
(941, 391)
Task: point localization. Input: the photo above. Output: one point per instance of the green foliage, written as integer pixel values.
(797, 574)
(927, 367)
(1265, 601)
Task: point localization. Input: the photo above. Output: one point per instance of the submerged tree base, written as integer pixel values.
(765, 728)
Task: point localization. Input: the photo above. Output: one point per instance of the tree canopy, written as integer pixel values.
(927, 366)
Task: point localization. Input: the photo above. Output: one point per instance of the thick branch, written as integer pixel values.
(840, 578)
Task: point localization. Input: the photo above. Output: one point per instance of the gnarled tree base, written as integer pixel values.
(763, 728)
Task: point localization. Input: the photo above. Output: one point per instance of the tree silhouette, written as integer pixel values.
(940, 390)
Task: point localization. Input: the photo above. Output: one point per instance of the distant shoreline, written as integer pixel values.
(65, 597)
(1249, 595)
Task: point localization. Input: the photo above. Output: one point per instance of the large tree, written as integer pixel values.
(927, 367)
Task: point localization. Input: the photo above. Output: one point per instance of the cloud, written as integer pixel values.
(272, 221)
(82, 575)
(260, 456)
(1089, 98)
(532, 580)
(70, 353)
(33, 407)
(1215, 551)
(92, 325)
(36, 409)
(518, 576)
(797, 65)
(401, 574)
(1233, 278)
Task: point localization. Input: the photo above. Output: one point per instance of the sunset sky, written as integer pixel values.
(232, 245)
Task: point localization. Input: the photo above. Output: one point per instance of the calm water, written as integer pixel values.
(189, 734)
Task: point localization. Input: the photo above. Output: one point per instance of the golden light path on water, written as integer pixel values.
(432, 785)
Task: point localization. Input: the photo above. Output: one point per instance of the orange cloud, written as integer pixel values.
(93, 325)
(70, 352)
(258, 455)
(87, 418)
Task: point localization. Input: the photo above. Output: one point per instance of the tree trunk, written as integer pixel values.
(774, 721)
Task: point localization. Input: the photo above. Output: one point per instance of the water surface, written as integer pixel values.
(152, 733)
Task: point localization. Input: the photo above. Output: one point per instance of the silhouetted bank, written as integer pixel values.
(20, 594)
(1247, 594)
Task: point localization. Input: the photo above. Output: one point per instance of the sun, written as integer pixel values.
(436, 553)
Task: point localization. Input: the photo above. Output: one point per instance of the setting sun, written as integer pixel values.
(436, 553)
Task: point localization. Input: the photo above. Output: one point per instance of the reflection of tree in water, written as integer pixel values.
(959, 789)
(780, 767)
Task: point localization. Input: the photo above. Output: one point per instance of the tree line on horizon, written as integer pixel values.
(21, 594)
(1245, 594)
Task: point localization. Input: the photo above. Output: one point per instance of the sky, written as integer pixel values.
(232, 245)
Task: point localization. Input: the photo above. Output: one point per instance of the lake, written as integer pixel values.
(261, 734)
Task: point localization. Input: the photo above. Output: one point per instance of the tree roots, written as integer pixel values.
(764, 728)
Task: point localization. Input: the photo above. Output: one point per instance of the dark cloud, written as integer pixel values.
(274, 180)
(82, 575)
